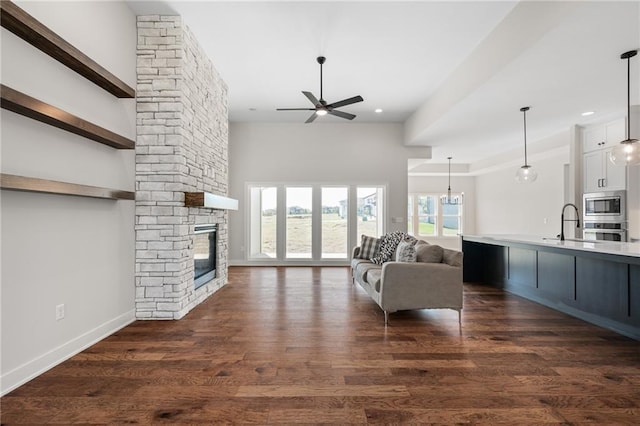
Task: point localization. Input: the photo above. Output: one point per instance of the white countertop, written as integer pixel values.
(608, 247)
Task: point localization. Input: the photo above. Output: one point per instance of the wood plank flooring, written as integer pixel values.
(303, 345)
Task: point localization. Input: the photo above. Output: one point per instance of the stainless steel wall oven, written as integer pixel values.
(605, 216)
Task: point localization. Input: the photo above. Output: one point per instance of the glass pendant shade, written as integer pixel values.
(526, 174)
(627, 152)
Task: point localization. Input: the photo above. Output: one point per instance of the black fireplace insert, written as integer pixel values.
(204, 254)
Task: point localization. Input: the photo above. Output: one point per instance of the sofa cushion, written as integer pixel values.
(388, 245)
(362, 270)
(406, 251)
(355, 262)
(369, 247)
(429, 253)
(373, 278)
(452, 257)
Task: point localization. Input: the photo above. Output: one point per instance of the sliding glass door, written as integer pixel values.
(309, 223)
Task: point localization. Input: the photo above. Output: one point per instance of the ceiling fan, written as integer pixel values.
(321, 107)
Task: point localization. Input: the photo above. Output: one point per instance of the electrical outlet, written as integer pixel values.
(60, 312)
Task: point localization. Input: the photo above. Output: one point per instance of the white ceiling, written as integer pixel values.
(465, 67)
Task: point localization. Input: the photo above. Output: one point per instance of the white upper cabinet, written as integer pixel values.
(615, 132)
(599, 174)
(602, 136)
(592, 138)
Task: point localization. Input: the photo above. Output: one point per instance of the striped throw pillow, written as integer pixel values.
(369, 247)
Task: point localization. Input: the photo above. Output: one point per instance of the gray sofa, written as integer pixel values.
(424, 284)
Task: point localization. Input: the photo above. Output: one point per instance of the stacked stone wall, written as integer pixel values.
(181, 146)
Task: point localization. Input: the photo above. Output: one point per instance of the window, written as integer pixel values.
(335, 233)
(370, 211)
(263, 221)
(451, 220)
(311, 223)
(299, 216)
(410, 215)
(427, 217)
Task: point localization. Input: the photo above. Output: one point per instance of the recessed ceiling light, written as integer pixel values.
(378, 110)
(586, 113)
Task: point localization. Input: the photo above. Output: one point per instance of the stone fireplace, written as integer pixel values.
(181, 146)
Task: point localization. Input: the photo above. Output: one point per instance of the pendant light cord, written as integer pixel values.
(524, 113)
(449, 188)
(629, 98)
(449, 174)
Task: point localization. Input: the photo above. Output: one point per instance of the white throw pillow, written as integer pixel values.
(406, 251)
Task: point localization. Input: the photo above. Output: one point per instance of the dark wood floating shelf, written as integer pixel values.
(208, 200)
(29, 184)
(33, 108)
(25, 26)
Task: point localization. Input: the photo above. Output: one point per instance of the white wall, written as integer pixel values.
(504, 206)
(317, 153)
(439, 185)
(61, 249)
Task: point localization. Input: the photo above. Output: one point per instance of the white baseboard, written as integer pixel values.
(33, 368)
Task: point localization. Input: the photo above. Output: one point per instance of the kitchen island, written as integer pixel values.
(596, 281)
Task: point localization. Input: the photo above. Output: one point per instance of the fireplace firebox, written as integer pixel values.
(204, 254)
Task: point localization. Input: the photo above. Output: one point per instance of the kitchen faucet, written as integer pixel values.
(577, 219)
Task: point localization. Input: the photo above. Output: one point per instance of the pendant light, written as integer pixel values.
(526, 173)
(627, 152)
(449, 199)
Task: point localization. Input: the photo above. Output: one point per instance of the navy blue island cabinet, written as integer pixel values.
(598, 282)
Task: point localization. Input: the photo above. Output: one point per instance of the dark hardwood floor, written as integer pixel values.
(302, 345)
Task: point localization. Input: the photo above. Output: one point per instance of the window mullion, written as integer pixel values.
(281, 241)
(316, 222)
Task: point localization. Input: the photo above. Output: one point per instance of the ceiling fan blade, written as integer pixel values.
(345, 102)
(342, 114)
(313, 117)
(295, 109)
(312, 98)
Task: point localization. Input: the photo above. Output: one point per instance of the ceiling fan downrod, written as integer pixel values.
(321, 60)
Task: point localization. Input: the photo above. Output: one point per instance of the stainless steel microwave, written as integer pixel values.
(609, 206)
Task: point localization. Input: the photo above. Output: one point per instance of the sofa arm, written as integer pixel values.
(420, 285)
(355, 252)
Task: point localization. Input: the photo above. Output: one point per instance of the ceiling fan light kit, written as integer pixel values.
(321, 107)
(526, 173)
(627, 152)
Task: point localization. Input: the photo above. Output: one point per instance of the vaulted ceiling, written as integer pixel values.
(454, 73)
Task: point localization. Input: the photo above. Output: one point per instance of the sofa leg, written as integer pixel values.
(386, 318)
(460, 319)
